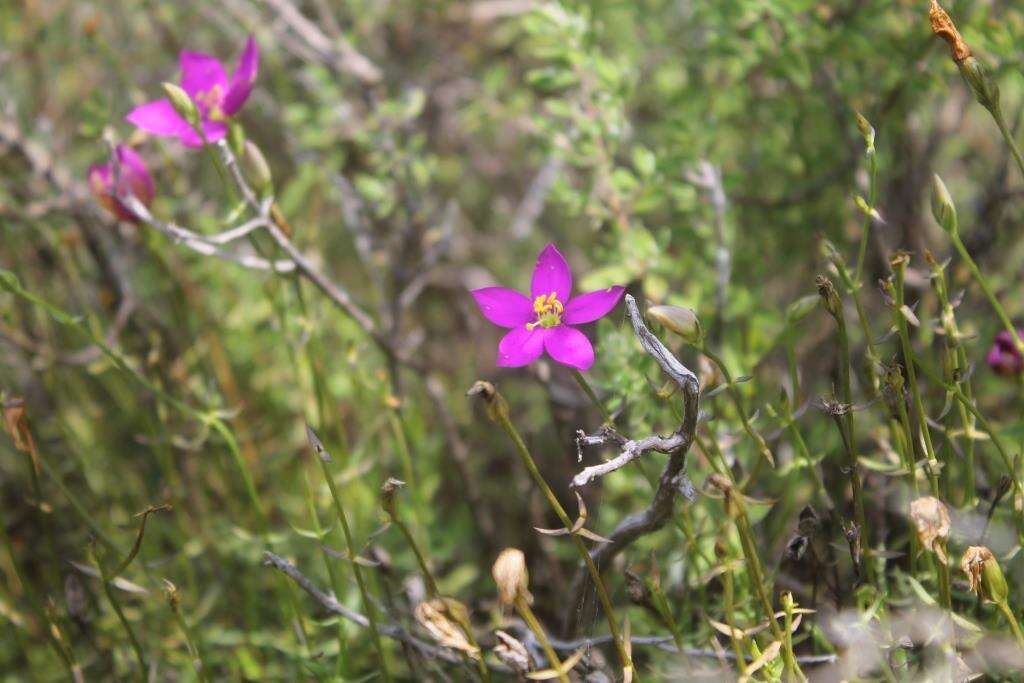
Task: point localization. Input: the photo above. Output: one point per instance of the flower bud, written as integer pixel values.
(256, 168)
(1004, 357)
(182, 104)
(131, 177)
(801, 308)
(509, 572)
(984, 574)
(943, 208)
(680, 320)
(387, 495)
(931, 520)
(829, 296)
(867, 132)
(985, 89)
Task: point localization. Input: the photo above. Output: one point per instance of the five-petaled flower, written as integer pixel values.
(1004, 357)
(216, 97)
(132, 178)
(543, 321)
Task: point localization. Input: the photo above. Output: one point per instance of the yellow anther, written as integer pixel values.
(549, 311)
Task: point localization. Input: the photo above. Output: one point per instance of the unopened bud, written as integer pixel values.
(801, 308)
(984, 574)
(388, 492)
(680, 320)
(513, 579)
(867, 132)
(829, 296)
(256, 168)
(182, 103)
(943, 208)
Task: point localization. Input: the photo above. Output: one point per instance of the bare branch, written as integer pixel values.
(336, 53)
(672, 480)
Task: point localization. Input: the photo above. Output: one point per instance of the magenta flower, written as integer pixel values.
(543, 322)
(133, 178)
(216, 97)
(1004, 357)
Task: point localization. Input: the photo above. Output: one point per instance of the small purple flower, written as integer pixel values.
(543, 322)
(216, 97)
(133, 178)
(1004, 357)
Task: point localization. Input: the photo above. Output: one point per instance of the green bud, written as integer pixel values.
(984, 87)
(943, 208)
(236, 137)
(984, 574)
(256, 169)
(867, 131)
(680, 320)
(182, 103)
(801, 308)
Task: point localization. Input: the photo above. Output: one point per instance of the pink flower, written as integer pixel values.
(133, 178)
(216, 97)
(544, 321)
(1004, 357)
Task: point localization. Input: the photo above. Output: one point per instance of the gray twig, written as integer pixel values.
(654, 516)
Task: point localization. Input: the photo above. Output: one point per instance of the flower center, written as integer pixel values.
(549, 311)
(209, 102)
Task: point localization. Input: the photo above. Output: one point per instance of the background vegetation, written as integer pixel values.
(703, 154)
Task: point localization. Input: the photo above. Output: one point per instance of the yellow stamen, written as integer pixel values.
(549, 311)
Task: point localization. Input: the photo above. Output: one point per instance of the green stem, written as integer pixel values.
(501, 415)
(987, 289)
(1004, 607)
(523, 607)
(116, 604)
(737, 401)
(588, 390)
(371, 610)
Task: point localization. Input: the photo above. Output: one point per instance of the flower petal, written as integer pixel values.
(521, 346)
(134, 174)
(589, 307)
(503, 306)
(201, 73)
(551, 274)
(158, 118)
(213, 130)
(569, 346)
(242, 79)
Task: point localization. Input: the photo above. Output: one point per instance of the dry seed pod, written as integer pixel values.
(510, 574)
(931, 520)
(513, 653)
(441, 617)
(984, 574)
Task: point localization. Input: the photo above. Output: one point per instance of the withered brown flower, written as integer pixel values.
(944, 28)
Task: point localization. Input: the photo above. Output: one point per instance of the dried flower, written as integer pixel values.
(546, 322)
(442, 618)
(931, 520)
(680, 320)
(132, 177)
(213, 95)
(513, 653)
(1004, 357)
(944, 28)
(984, 574)
(510, 574)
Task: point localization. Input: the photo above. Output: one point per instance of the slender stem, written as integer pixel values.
(729, 589)
(866, 230)
(368, 605)
(1004, 607)
(524, 453)
(190, 640)
(997, 114)
(987, 289)
(523, 607)
(915, 390)
(588, 390)
(737, 401)
(125, 624)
